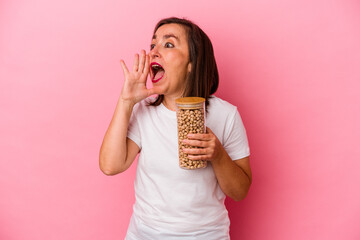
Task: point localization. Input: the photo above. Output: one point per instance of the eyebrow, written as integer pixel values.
(166, 36)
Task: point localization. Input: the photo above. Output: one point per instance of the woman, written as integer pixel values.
(173, 203)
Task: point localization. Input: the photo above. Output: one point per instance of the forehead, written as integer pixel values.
(170, 30)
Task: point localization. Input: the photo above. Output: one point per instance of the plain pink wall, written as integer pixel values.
(291, 67)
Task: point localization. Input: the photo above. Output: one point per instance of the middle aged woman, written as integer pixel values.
(173, 203)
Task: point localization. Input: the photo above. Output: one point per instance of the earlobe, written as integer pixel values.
(189, 68)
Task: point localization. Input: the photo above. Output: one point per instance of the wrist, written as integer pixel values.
(126, 103)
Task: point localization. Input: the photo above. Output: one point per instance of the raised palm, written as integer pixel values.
(134, 88)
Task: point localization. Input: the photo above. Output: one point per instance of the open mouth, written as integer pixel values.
(157, 72)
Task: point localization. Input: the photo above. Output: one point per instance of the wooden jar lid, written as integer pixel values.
(190, 100)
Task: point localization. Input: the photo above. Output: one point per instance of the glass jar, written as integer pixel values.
(190, 113)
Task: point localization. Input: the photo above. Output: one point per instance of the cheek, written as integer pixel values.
(178, 58)
(178, 67)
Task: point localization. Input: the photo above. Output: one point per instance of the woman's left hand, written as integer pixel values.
(209, 146)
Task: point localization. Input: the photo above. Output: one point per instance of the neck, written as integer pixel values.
(169, 102)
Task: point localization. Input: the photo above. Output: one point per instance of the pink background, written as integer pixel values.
(291, 67)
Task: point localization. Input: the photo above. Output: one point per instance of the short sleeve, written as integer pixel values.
(133, 129)
(235, 139)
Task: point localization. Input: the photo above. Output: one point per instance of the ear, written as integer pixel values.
(189, 67)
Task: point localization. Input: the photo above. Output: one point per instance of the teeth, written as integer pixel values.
(155, 66)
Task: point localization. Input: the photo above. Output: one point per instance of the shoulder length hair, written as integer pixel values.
(203, 79)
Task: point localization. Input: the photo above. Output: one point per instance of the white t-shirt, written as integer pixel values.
(171, 202)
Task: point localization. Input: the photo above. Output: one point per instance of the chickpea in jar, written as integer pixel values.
(190, 112)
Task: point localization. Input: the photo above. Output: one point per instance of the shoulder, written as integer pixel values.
(219, 105)
(220, 112)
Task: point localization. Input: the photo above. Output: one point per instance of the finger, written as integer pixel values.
(195, 151)
(200, 136)
(136, 63)
(123, 65)
(147, 64)
(142, 60)
(199, 157)
(195, 143)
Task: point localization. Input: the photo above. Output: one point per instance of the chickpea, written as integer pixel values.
(190, 120)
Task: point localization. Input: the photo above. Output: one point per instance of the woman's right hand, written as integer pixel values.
(134, 88)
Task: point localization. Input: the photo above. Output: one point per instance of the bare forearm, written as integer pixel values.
(113, 149)
(232, 179)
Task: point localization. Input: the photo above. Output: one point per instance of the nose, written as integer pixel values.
(154, 53)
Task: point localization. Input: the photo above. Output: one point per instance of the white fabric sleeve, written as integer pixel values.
(133, 129)
(235, 141)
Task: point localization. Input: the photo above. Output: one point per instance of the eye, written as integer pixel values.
(169, 45)
(152, 46)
